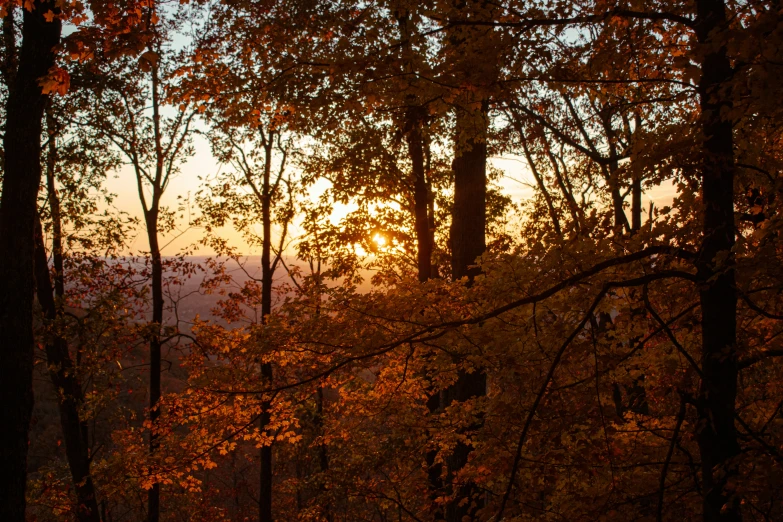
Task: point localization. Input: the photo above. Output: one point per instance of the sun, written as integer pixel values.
(379, 240)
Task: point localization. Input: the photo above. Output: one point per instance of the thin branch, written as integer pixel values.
(665, 469)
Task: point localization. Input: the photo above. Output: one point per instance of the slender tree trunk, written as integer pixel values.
(566, 190)
(425, 239)
(425, 226)
(612, 173)
(265, 500)
(414, 120)
(421, 196)
(61, 369)
(717, 435)
(151, 219)
(54, 207)
(539, 178)
(424, 219)
(265, 497)
(636, 182)
(540, 182)
(22, 175)
(323, 455)
(153, 496)
(612, 180)
(66, 384)
(636, 202)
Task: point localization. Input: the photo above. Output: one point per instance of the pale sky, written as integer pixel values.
(517, 183)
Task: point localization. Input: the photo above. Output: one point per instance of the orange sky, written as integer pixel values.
(517, 183)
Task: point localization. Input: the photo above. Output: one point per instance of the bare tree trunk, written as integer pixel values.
(637, 175)
(421, 197)
(611, 176)
(636, 202)
(717, 435)
(265, 497)
(153, 496)
(151, 219)
(565, 189)
(22, 175)
(412, 128)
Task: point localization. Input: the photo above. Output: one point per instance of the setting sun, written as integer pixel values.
(379, 240)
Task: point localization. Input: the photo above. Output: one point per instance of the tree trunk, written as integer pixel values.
(425, 227)
(323, 455)
(468, 242)
(54, 207)
(717, 436)
(61, 369)
(539, 180)
(565, 188)
(613, 181)
(153, 496)
(265, 497)
(636, 202)
(636, 183)
(412, 127)
(421, 197)
(424, 219)
(151, 219)
(22, 145)
(10, 58)
(69, 391)
(468, 219)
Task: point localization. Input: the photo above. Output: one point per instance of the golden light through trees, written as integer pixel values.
(379, 240)
(431, 261)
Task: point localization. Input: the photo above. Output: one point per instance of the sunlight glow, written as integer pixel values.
(379, 240)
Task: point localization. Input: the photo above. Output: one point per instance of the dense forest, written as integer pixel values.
(364, 324)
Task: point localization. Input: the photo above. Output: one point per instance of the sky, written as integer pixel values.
(517, 182)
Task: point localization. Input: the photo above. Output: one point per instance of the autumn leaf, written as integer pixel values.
(57, 81)
(148, 61)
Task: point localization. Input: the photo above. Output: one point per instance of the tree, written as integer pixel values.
(155, 147)
(21, 176)
(51, 297)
